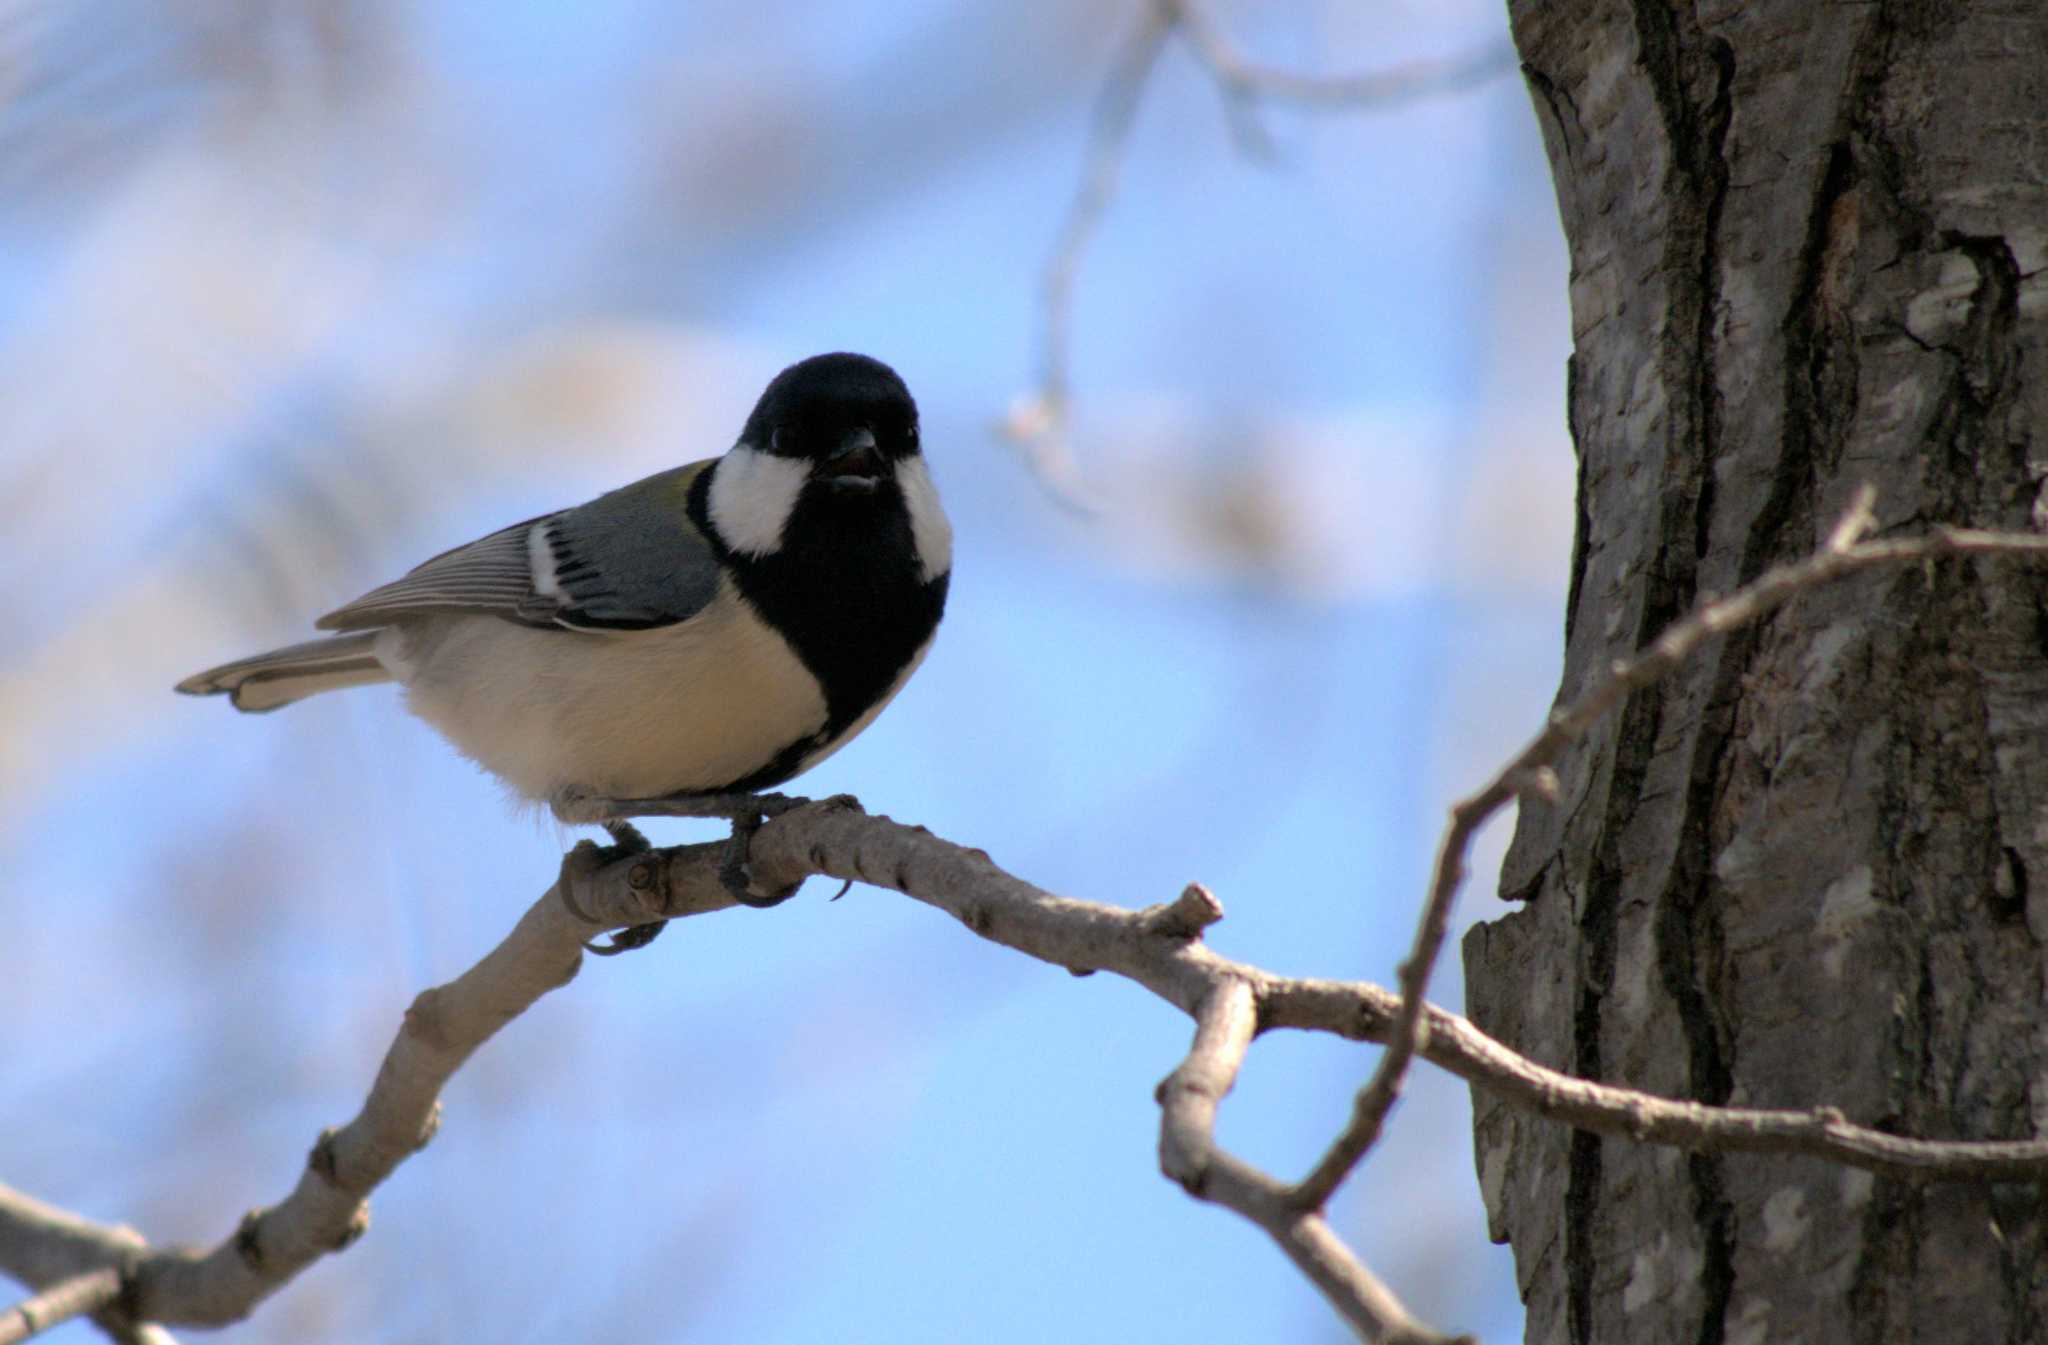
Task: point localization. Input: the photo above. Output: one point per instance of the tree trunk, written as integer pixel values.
(1808, 245)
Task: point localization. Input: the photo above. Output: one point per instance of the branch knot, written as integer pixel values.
(1186, 916)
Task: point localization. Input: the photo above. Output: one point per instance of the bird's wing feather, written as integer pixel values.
(629, 560)
(491, 574)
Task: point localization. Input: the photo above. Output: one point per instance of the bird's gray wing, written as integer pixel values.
(629, 560)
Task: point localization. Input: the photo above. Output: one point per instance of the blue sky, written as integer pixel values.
(284, 309)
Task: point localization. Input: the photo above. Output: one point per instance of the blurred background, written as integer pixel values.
(293, 295)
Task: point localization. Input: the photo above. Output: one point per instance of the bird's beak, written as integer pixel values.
(856, 464)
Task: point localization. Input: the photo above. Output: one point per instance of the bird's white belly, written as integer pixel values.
(627, 714)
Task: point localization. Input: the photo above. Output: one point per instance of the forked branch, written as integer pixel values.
(1160, 948)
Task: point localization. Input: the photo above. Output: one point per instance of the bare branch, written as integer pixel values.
(80, 1296)
(1365, 1012)
(1369, 1110)
(1037, 422)
(326, 1212)
(43, 1246)
(1396, 84)
(1225, 1023)
(969, 886)
(1840, 556)
(1160, 948)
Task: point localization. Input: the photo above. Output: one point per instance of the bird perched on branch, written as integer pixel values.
(706, 633)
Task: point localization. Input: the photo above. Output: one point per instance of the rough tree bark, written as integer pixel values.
(1807, 247)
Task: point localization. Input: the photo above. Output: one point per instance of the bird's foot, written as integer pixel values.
(746, 812)
(735, 874)
(626, 842)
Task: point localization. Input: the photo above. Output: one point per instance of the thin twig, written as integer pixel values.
(1225, 1023)
(79, 1296)
(1160, 948)
(1370, 1013)
(41, 1245)
(1410, 80)
(1148, 948)
(1840, 556)
(1535, 762)
(1037, 422)
(1063, 932)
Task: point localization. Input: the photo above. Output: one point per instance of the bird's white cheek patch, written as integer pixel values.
(752, 494)
(928, 526)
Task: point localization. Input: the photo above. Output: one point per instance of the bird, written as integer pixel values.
(703, 634)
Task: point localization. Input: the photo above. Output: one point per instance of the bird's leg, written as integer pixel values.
(577, 807)
(746, 812)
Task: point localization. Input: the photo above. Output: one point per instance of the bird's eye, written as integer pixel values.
(912, 436)
(775, 440)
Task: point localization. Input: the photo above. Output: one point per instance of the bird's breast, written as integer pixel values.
(692, 707)
(849, 592)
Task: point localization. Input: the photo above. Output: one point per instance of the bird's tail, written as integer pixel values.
(282, 676)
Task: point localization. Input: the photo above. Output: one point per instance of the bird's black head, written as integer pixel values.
(849, 417)
(827, 481)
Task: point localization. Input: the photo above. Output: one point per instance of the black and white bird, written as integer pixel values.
(713, 629)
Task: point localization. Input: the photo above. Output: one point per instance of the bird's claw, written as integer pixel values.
(734, 873)
(627, 939)
(747, 812)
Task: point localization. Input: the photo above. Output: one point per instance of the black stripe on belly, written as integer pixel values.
(844, 589)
